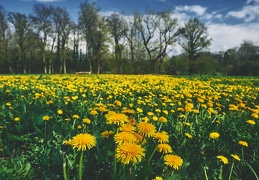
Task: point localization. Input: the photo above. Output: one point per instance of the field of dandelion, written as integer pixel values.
(128, 127)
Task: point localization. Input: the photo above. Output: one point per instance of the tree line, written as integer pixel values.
(49, 41)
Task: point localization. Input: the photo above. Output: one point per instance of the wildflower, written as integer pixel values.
(214, 135)
(146, 129)
(154, 118)
(93, 112)
(116, 118)
(129, 152)
(164, 148)
(16, 119)
(106, 134)
(250, 122)
(67, 119)
(158, 178)
(165, 112)
(83, 141)
(187, 123)
(75, 116)
(162, 137)
(59, 112)
(173, 161)
(117, 103)
(243, 143)
(223, 159)
(236, 157)
(46, 118)
(162, 119)
(145, 119)
(67, 142)
(124, 137)
(254, 115)
(86, 120)
(127, 128)
(150, 113)
(139, 110)
(8, 104)
(188, 135)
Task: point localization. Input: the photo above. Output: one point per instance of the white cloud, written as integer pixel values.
(228, 36)
(199, 10)
(248, 13)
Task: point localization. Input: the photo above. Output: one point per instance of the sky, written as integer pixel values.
(229, 22)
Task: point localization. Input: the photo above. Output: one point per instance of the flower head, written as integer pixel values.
(59, 112)
(236, 157)
(129, 152)
(188, 135)
(223, 159)
(214, 135)
(250, 122)
(164, 148)
(162, 137)
(124, 137)
(146, 129)
(106, 134)
(116, 118)
(173, 161)
(16, 119)
(127, 128)
(46, 118)
(243, 143)
(83, 141)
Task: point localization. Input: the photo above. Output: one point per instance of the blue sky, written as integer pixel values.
(229, 22)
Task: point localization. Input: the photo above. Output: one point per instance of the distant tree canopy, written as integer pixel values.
(49, 41)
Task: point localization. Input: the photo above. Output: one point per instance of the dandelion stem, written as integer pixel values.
(231, 170)
(205, 172)
(220, 173)
(65, 169)
(80, 168)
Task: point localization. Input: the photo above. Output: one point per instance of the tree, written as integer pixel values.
(88, 23)
(116, 26)
(42, 21)
(63, 27)
(22, 30)
(4, 39)
(158, 32)
(193, 38)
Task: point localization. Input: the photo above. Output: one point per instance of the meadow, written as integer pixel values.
(128, 127)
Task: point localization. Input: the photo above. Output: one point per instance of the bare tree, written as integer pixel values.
(88, 24)
(63, 27)
(116, 26)
(42, 20)
(193, 38)
(158, 32)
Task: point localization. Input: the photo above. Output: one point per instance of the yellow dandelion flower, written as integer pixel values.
(154, 118)
(146, 129)
(116, 118)
(127, 128)
(162, 119)
(129, 153)
(8, 104)
(188, 135)
(16, 119)
(106, 134)
(165, 112)
(223, 159)
(124, 137)
(254, 115)
(93, 112)
(59, 111)
(164, 148)
(145, 119)
(158, 178)
(173, 161)
(150, 113)
(139, 110)
(46, 118)
(250, 122)
(87, 121)
(214, 135)
(236, 157)
(243, 143)
(67, 119)
(67, 142)
(162, 137)
(187, 123)
(75, 116)
(81, 142)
